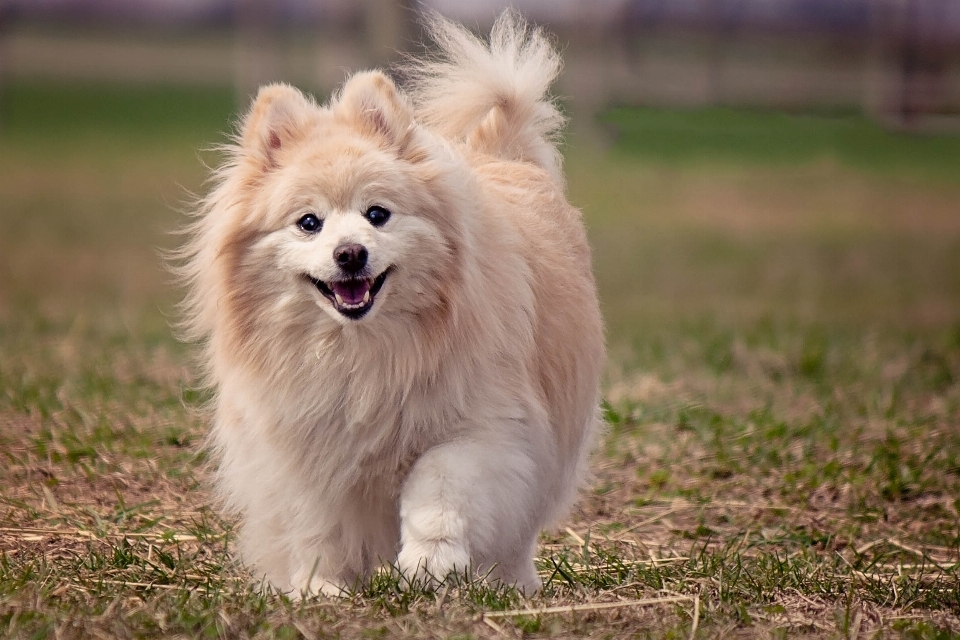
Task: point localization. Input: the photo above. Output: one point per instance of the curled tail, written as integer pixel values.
(493, 96)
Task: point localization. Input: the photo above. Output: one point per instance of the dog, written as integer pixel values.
(398, 320)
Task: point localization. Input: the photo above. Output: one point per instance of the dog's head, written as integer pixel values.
(350, 207)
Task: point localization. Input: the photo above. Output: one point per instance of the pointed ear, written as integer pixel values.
(374, 103)
(279, 118)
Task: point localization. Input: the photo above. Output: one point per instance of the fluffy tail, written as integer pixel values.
(492, 96)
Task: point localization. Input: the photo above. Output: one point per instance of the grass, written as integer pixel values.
(783, 457)
(771, 137)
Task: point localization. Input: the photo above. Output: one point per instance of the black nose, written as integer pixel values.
(351, 257)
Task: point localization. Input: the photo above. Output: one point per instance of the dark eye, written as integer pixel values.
(310, 223)
(377, 215)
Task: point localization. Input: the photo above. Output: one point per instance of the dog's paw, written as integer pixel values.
(428, 563)
(307, 586)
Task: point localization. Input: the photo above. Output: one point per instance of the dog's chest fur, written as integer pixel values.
(351, 418)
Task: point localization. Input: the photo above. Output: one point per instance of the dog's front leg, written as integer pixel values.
(471, 504)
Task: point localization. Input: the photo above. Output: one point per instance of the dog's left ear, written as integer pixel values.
(373, 102)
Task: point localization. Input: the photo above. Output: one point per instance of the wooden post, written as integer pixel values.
(389, 28)
(256, 57)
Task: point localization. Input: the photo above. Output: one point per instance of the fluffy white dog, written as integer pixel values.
(399, 319)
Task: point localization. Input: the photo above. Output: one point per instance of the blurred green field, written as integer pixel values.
(725, 135)
(782, 295)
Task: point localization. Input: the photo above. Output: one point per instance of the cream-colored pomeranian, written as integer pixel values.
(400, 320)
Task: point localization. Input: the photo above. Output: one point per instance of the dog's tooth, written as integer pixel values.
(366, 297)
(338, 298)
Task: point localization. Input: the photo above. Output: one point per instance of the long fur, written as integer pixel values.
(451, 423)
(493, 95)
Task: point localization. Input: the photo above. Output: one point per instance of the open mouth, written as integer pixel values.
(353, 297)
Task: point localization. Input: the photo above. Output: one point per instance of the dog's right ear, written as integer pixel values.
(278, 119)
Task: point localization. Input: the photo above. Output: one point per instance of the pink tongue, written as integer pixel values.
(351, 291)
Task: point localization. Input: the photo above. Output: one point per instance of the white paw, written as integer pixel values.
(529, 582)
(427, 563)
(306, 586)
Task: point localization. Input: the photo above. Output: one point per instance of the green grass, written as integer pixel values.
(782, 296)
(759, 137)
(33, 110)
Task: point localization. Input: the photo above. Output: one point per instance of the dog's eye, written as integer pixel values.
(377, 215)
(310, 223)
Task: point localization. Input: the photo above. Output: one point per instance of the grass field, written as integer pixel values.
(782, 296)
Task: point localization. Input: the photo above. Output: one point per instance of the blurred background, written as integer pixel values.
(898, 60)
(741, 163)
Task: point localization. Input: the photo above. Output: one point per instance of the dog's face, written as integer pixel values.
(347, 208)
(349, 230)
